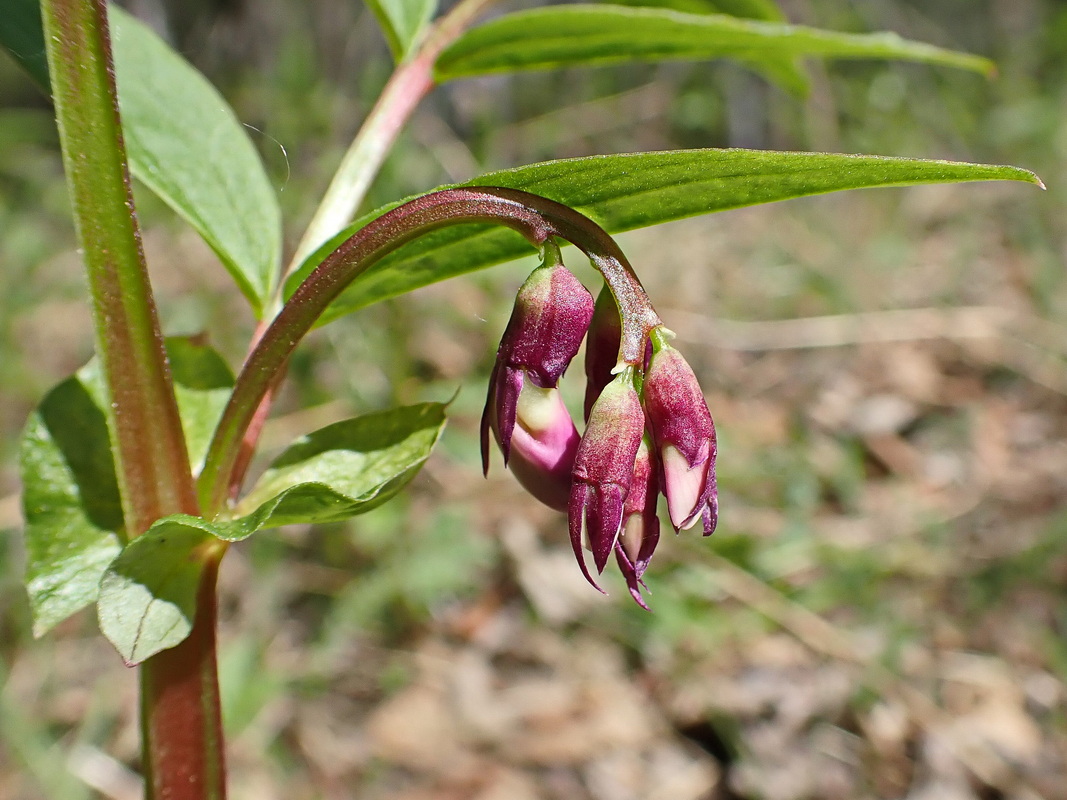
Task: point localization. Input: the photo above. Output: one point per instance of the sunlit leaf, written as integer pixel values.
(148, 593)
(635, 190)
(588, 35)
(70, 499)
(402, 21)
(184, 142)
(342, 470)
(785, 71)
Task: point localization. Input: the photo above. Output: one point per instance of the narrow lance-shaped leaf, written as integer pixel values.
(783, 70)
(585, 35)
(636, 190)
(402, 22)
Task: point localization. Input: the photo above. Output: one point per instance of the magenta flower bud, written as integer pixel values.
(544, 443)
(684, 435)
(601, 347)
(640, 524)
(551, 315)
(604, 470)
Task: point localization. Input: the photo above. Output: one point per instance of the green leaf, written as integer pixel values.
(402, 22)
(202, 383)
(749, 9)
(148, 593)
(589, 35)
(70, 499)
(184, 142)
(746, 9)
(634, 190)
(782, 70)
(22, 35)
(342, 470)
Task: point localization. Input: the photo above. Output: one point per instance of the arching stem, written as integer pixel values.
(536, 218)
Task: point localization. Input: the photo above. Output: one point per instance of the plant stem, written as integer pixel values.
(182, 735)
(149, 448)
(409, 84)
(536, 218)
(183, 721)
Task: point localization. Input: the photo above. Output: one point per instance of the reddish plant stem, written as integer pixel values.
(181, 735)
(536, 218)
(182, 719)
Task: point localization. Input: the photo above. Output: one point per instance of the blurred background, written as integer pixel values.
(881, 612)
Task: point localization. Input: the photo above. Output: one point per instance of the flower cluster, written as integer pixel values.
(648, 429)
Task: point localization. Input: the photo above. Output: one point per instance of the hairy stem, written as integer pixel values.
(149, 448)
(181, 718)
(409, 84)
(536, 218)
(182, 739)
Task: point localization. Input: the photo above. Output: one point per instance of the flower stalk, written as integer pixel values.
(539, 220)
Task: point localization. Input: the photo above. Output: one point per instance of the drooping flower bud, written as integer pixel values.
(640, 524)
(551, 315)
(601, 347)
(684, 436)
(604, 470)
(544, 442)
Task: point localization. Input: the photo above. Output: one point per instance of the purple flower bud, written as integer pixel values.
(604, 470)
(685, 438)
(601, 347)
(543, 445)
(640, 525)
(551, 315)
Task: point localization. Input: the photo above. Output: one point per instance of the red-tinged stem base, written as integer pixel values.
(181, 717)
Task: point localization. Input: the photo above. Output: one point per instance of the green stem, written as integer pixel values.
(409, 84)
(150, 453)
(182, 737)
(536, 218)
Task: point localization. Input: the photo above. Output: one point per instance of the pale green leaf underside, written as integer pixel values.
(402, 21)
(342, 470)
(584, 35)
(148, 594)
(623, 192)
(184, 142)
